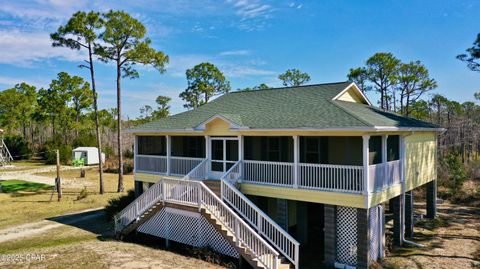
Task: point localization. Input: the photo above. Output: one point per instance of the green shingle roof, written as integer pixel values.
(291, 107)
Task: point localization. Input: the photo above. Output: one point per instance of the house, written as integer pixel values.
(288, 177)
(5, 156)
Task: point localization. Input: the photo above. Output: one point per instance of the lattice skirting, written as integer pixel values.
(375, 232)
(346, 234)
(188, 228)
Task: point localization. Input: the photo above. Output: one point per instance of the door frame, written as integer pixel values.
(224, 161)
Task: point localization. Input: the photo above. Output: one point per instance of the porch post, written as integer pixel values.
(366, 170)
(135, 153)
(240, 154)
(386, 179)
(169, 152)
(296, 154)
(208, 153)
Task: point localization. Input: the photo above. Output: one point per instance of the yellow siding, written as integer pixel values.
(332, 198)
(385, 195)
(218, 127)
(420, 165)
(351, 96)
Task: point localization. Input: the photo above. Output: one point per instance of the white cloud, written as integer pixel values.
(248, 9)
(9, 81)
(26, 48)
(234, 53)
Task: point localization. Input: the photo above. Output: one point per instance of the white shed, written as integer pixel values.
(89, 154)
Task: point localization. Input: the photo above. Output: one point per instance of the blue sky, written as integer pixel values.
(251, 41)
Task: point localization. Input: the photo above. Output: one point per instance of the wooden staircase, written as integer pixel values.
(205, 196)
(5, 157)
(243, 250)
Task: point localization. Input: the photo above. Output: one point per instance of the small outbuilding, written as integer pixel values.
(88, 154)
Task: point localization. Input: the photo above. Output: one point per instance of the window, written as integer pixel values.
(375, 146)
(393, 148)
(151, 145)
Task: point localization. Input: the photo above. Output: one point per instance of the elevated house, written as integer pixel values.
(292, 177)
(5, 156)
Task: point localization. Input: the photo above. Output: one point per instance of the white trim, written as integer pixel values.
(233, 125)
(358, 91)
(346, 129)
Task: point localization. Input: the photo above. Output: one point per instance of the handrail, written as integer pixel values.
(198, 194)
(276, 235)
(242, 231)
(8, 155)
(196, 172)
(230, 176)
(142, 203)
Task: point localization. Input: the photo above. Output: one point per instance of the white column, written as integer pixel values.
(135, 153)
(384, 161)
(208, 154)
(296, 154)
(169, 153)
(240, 154)
(366, 170)
(403, 184)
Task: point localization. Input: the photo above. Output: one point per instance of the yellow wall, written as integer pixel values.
(420, 159)
(314, 196)
(218, 127)
(350, 96)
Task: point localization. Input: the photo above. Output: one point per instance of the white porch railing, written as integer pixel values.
(264, 225)
(271, 173)
(183, 165)
(5, 156)
(196, 193)
(200, 172)
(151, 163)
(382, 177)
(328, 177)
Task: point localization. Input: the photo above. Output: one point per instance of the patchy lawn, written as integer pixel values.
(28, 206)
(23, 165)
(451, 241)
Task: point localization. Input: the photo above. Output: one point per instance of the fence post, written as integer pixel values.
(296, 154)
(199, 196)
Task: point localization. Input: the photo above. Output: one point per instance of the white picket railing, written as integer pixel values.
(183, 165)
(196, 193)
(383, 175)
(264, 225)
(5, 156)
(234, 173)
(271, 173)
(151, 163)
(328, 177)
(200, 172)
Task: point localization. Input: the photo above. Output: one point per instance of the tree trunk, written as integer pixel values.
(97, 122)
(119, 129)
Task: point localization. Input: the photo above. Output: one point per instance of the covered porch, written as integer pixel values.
(349, 164)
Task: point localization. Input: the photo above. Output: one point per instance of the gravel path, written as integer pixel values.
(30, 175)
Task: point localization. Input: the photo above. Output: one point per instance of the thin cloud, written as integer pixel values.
(234, 53)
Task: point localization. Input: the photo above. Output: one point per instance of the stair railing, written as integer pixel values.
(153, 195)
(5, 153)
(265, 226)
(245, 236)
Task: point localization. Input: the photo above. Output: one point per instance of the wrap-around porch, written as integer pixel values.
(350, 164)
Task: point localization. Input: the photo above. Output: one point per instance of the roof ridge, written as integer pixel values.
(291, 87)
(351, 114)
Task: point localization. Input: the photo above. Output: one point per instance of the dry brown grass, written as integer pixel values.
(451, 241)
(23, 207)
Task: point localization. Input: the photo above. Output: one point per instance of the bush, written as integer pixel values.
(116, 205)
(17, 146)
(108, 151)
(452, 172)
(128, 154)
(52, 145)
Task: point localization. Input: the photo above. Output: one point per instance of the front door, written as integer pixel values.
(224, 155)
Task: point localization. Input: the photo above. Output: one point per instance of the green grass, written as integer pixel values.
(10, 186)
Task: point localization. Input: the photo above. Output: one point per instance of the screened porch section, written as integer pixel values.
(327, 163)
(186, 152)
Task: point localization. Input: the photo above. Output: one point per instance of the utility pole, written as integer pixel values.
(57, 180)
